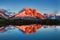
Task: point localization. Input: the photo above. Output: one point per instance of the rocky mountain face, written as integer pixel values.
(26, 13)
(3, 15)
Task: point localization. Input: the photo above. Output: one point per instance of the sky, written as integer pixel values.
(42, 6)
(59, 6)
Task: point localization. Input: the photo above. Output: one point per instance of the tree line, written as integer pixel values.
(27, 22)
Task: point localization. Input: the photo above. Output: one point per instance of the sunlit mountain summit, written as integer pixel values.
(27, 13)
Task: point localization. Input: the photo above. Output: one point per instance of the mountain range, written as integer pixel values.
(26, 13)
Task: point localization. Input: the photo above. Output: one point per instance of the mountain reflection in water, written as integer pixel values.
(30, 32)
(27, 29)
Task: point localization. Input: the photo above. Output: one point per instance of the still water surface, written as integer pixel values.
(33, 32)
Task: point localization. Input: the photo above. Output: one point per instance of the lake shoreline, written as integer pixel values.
(4, 22)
